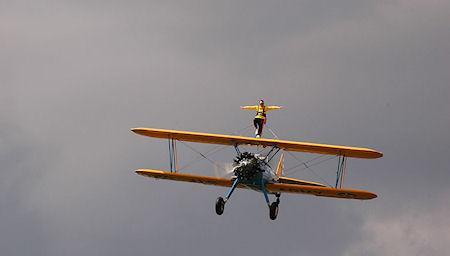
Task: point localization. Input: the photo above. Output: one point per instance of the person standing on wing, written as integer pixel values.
(261, 117)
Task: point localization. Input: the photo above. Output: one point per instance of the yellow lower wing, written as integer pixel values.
(206, 180)
(273, 188)
(321, 191)
(286, 180)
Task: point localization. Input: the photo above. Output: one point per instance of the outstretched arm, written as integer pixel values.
(273, 108)
(249, 107)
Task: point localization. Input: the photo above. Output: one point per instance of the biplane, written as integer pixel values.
(254, 171)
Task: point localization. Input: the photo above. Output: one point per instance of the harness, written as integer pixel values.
(261, 112)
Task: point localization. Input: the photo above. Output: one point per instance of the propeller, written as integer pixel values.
(223, 169)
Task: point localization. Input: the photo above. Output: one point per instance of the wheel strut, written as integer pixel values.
(220, 202)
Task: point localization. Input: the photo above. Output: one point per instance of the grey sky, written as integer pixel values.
(75, 76)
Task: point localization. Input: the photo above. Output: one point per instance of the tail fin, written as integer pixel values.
(280, 166)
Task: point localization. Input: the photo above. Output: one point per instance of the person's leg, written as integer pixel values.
(259, 123)
(260, 127)
(255, 123)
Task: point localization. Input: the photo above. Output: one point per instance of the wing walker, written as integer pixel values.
(253, 170)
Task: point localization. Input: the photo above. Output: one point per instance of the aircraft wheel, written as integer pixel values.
(220, 205)
(273, 210)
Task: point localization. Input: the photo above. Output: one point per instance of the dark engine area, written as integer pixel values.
(247, 166)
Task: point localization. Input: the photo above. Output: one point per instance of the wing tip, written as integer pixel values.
(366, 195)
(377, 154)
(136, 129)
(140, 130)
(369, 154)
(143, 171)
(139, 171)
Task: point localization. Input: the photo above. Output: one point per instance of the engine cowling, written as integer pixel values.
(247, 166)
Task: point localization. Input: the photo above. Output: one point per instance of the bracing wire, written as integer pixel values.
(302, 163)
(271, 131)
(212, 151)
(308, 167)
(309, 161)
(200, 153)
(207, 154)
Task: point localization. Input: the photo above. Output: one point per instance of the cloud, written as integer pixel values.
(76, 76)
(414, 230)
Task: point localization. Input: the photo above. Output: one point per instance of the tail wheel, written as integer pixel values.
(273, 210)
(220, 205)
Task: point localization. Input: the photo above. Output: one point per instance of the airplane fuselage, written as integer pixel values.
(253, 171)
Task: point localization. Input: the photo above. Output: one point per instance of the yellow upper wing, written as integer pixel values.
(239, 140)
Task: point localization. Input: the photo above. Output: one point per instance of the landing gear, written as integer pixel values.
(220, 205)
(273, 208)
(220, 202)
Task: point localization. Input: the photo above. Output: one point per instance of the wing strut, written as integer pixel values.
(238, 151)
(274, 151)
(173, 156)
(340, 173)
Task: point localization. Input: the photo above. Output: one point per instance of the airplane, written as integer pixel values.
(253, 170)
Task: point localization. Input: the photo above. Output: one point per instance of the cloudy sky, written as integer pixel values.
(75, 76)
